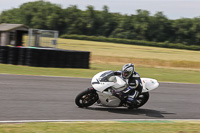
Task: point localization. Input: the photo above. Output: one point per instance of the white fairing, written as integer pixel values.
(116, 83)
(149, 84)
(120, 84)
(107, 99)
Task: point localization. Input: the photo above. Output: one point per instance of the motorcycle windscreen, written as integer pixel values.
(101, 81)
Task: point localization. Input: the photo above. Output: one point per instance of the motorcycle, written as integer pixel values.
(103, 84)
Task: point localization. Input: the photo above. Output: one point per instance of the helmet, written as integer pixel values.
(127, 70)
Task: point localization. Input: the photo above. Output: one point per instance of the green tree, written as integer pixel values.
(160, 29)
(42, 15)
(141, 24)
(182, 29)
(93, 21)
(125, 28)
(11, 16)
(75, 20)
(107, 22)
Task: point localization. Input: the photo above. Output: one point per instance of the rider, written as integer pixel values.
(134, 83)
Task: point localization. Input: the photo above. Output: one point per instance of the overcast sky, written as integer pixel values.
(173, 9)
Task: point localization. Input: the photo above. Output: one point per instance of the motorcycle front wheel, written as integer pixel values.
(86, 98)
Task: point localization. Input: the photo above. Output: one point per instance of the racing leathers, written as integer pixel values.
(134, 88)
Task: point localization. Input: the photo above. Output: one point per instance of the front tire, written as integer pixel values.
(86, 98)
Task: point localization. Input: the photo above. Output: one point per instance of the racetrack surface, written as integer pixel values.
(52, 98)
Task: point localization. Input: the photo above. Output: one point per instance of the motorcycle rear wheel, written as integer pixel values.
(142, 98)
(86, 98)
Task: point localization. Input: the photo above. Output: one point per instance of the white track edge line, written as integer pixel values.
(102, 120)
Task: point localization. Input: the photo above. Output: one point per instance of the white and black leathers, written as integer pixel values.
(135, 85)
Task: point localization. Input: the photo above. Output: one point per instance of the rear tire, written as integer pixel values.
(142, 98)
(86, 98)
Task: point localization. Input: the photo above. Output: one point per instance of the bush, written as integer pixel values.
(132, 42)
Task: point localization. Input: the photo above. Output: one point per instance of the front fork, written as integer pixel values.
(91, 89)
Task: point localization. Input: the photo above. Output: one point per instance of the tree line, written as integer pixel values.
(71, 20)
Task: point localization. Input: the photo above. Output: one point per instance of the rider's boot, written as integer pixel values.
(131, 99)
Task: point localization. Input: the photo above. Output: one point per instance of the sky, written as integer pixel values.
(173, 9)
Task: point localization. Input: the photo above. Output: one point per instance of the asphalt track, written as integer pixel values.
(52, 98)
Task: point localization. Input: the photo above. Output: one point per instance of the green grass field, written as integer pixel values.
(102, 127)
(140, 55)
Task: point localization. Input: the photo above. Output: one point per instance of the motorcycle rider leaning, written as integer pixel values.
(133, 81)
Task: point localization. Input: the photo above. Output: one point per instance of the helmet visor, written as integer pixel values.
(127, 73)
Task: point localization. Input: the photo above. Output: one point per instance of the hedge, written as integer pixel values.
(132, 42)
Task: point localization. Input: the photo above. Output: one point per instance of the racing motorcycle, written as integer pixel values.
(103, 84)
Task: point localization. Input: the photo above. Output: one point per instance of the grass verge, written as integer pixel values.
(98, 127)
(161, 74)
